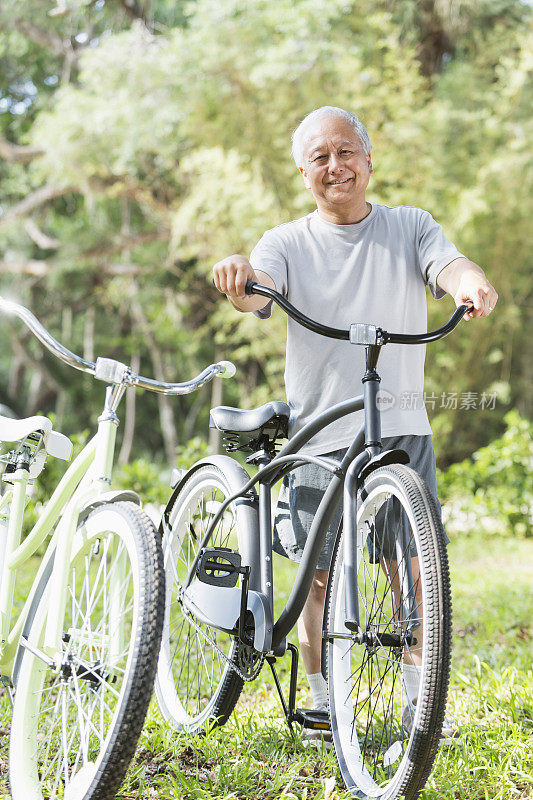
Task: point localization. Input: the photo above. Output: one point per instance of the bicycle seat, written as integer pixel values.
(235, 420)
(16, 430)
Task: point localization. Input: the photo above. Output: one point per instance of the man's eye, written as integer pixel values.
(320, 158)
(346, 152)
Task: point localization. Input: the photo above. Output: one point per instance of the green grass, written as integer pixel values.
(491, 700)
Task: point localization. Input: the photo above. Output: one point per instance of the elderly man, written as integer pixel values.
(348, 261)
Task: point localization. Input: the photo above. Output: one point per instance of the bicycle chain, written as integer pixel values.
(245, 650)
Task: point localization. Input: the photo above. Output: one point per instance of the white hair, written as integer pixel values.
(300, 135)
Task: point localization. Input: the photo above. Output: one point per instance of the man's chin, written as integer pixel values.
(346, 196)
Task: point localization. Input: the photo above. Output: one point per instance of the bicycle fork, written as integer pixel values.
(354, 543)
(97, 481)
(373, 447)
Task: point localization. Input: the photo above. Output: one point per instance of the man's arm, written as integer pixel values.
(230, 276)
(464, 281)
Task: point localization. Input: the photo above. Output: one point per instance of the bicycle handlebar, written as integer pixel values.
(358, 333)
(107, 369)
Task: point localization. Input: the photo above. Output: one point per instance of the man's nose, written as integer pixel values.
(335, 163)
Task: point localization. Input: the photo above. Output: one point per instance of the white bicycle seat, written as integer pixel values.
(16, 430)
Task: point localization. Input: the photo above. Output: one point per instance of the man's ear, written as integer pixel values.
(304, 176)
(369, 162)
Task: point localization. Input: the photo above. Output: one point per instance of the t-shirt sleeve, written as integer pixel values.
(434, 251)
(270, 256)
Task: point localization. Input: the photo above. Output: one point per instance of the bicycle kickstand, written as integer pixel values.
(317, 720)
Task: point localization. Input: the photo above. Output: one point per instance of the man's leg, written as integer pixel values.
(310, 637)
(412, 655)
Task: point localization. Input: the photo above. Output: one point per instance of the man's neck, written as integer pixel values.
(345, 216)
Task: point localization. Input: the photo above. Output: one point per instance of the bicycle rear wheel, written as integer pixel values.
(195, 683)
(77, 717)
(388, 686)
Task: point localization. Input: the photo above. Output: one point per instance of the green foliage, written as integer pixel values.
(195, 449)
(169, 135)
(494, 490)
(490, 699)
(145, 478)
(150, 480)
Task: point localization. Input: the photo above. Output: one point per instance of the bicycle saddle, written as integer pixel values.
(16, 430)
(235, 420)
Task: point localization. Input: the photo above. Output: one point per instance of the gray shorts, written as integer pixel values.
(303, 488)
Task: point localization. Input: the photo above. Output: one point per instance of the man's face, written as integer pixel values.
(336, 168)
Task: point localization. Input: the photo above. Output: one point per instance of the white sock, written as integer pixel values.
(319, 690)
(411, 681)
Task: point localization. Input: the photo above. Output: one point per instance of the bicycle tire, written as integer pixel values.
(75, 728)
(195, 687)
(386, 744)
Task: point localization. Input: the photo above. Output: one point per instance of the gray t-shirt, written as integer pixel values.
(373, 271)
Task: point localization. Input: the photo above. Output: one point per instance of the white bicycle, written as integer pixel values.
(80, 659)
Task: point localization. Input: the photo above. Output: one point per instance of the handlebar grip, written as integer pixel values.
(249, 288)
(229, 369)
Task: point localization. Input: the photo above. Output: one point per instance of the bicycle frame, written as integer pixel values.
(363, 455)
(258, 526)
(87, 479)
(365, 446)
(85, 484)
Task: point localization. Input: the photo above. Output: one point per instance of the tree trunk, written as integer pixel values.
(61, 404)
(168, 428)
(16, 375)
(66, 337)
(88, 335)
(129, 421)
(215, 436)
(47, 385)
(192, 416)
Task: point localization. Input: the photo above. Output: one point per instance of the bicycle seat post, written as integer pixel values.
(265, 530)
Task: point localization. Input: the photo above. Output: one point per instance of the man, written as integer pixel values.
(349, 261)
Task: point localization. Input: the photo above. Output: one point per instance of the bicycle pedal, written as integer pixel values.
(219, 566)
(311, 718)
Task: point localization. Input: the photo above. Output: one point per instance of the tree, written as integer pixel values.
(163, 145)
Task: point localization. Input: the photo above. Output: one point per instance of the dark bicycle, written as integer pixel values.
(388, 595)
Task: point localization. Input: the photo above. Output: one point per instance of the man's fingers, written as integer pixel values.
(492, 299)
(483, 303)
(241, 281)
(222, 284)
(219, 278)
(230, 276)
(225, 280)
(478, 301)
(486, 305)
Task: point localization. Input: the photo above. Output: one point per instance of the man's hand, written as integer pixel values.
(465, 281)
(230, 276)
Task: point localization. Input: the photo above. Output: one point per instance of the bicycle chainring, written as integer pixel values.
(245, 661)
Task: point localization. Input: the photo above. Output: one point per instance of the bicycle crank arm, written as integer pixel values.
(36, 652)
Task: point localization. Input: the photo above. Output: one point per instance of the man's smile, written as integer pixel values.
(338, 183)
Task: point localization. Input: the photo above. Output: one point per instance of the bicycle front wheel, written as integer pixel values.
(388, 683)
(196, 684)
(77, 716)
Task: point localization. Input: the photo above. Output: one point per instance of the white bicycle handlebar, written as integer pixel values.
(109, 370)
